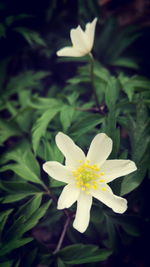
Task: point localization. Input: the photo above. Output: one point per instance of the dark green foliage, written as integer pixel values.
(41, 95)
(79, 253)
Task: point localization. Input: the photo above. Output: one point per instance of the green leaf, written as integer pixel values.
(17, 263)
(15, 197)
(60, 263)
(27, 166)
(112, 241)
(133, 180)
(79, 254)
(85, 124)
(66, 116)
(139, 138)
(109, 127)
(8, 129)
(130, 224)
(13, 232)
(112, 93)
(23, 171)
(101, 72)
(3, 218)
(19, 186)
(40, 126)
(24, 81)
(44, 103)
(35, 217)
(54, 183)
(13, 244)
(121, 44)
(125, 62)
(30, 256)
(77, 80)
(10, 19)
(30, 206)
(24, 223)
(30, 36)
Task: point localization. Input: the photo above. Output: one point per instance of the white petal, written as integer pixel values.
(90, 32)
(116, 168)
(58, 171)
(70, 52)
(100, 149)
(82, 217)
(117, 204)
(68, 196)
(79, 40)
(72, 152)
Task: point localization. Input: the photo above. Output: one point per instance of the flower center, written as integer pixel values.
(87, 176)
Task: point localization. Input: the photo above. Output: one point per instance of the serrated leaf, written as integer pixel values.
(23, 81)
(85, 124)
(101, 72)
(40, 126)
(30, 206)
(111, 93)
(27, 166)
(109, 127)
(66, 116)
(23, 171)
(25, 223)
(13, 244)
(13, 232)
(36, 216)
(8, 129)
(79, 254)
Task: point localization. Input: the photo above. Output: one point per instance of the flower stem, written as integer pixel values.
(92, 81)
(62, 236)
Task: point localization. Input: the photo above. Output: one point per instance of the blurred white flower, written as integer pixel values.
(87, 176)
(82, 41)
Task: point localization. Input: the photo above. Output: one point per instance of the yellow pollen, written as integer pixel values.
(103, 189)
(102, 180)
(87, 176)
(83, 188)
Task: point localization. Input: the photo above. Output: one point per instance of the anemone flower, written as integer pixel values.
(82, 41)
(88, 176)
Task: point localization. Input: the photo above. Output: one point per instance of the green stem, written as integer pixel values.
(92, 81)
(62, 236)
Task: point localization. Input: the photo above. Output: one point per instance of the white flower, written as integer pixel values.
(82, 41)
(87, 176)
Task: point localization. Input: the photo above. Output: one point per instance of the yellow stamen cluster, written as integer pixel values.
(87, 176)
